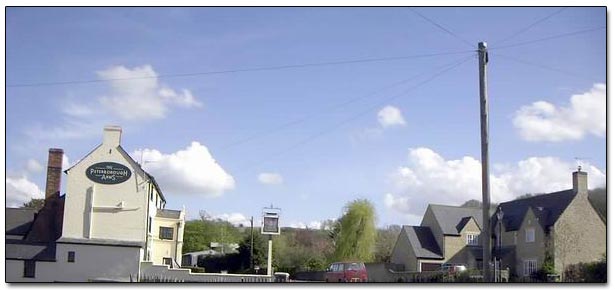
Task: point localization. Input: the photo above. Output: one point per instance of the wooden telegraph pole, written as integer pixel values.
(483, 58)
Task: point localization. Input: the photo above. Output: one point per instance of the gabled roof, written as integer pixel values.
(19, 220)
(463, 222)
(547, 207)
(423, 242)
(450, 217)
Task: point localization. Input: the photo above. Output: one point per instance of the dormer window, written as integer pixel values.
(472, 239)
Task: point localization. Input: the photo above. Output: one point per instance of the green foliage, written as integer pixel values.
(260, 250)
(594, 272)
(385, 242)
(357, 233)
(298, 250)
(199, 234)
(35, 203)
(547, 268)
(597, 198)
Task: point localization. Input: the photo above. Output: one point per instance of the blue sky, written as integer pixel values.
(208, 137)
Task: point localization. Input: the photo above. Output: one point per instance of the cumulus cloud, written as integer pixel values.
(136, 93)
(192, 170)
(270, 178)
(237, 219)
(314, 225)
(33, 166)
(429, 178)
(585, 114)
(20, 190)
(390, 116)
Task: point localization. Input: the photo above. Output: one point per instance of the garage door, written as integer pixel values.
(429, 267)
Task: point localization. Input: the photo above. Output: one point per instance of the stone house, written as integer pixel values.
(447, 234)
(561, 226)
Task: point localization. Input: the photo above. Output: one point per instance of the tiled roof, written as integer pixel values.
(449, 217)
(18, 220)
(168, 213)
(423, 242)
(24, 250)
(547, 207)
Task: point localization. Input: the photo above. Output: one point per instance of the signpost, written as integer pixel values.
(270, 227)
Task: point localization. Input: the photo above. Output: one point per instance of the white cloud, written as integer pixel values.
(33, 166)
(234, 218)
(270, 178)
(65, 162)
(20, 190)
(189, 171)
(390, 116)
(315, 225)
(543, 121)
(429, 178)
(136, 94)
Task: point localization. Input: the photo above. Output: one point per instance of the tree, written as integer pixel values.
(385, 242)
(35, 203)
(357, 234)
(260, 250)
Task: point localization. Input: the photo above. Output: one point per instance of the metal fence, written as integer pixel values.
(164, 274)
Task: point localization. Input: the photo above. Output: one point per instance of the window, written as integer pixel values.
(71, 257)
(515, 238)
(29, 268)
(529, 267)
(149, 225)
(166, 233)
(529, 235)
(472, 239)
(167, 261)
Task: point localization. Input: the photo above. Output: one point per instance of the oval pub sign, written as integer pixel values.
(108, 173)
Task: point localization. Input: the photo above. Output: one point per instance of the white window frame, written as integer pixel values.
(515, 238)
(474, 240)
(530, 238)
(529, 266)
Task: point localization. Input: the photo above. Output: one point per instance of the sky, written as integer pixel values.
(307, 109)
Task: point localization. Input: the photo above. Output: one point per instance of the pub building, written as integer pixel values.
(111, 218)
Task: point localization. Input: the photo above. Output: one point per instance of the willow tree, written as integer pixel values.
(357, 234)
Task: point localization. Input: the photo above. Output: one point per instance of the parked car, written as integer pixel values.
(346, 272)
(453, 268)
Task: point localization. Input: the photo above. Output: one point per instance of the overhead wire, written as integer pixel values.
(362, 113)
(528, 27)
(265, 68)
(549, 38)
(329, 109)
(543, 66)
(442, 27)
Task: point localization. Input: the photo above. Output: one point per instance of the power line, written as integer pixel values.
(442, 27)
(546, 67)
(549, 38)
(531, 25)
(329, 109)
(360, 114)
(266, 68)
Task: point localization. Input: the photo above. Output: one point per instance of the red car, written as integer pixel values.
(346, 272)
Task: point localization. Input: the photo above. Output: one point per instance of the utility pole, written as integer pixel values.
(269, 255)
(252, 243)
(483, 58)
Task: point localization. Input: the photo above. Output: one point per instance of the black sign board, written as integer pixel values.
(108, 173)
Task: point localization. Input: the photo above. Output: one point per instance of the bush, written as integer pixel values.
(594, 272)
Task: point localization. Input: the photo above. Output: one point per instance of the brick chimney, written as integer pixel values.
(579, 182)
(54, 172)
(112, 136)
